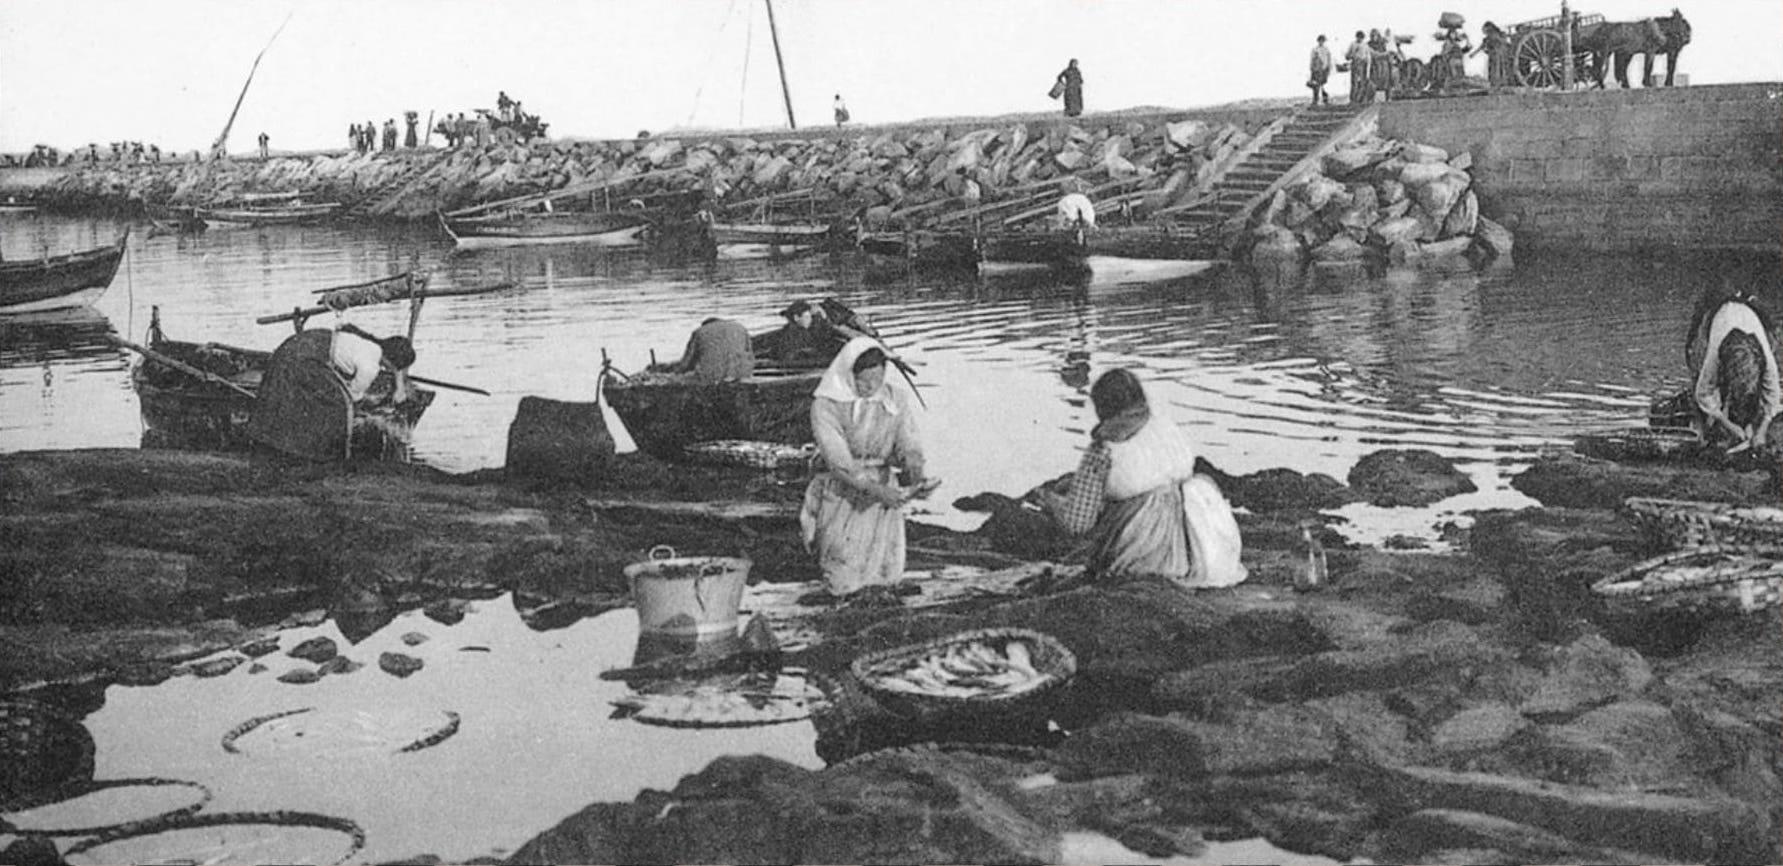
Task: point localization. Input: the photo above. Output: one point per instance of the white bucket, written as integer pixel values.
(695, 595)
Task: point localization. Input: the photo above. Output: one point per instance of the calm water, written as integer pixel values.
(1308, 373)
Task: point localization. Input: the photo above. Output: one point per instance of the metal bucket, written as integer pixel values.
(696, 595)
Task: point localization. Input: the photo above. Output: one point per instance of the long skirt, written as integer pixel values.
(1073, 101)
(858, 542)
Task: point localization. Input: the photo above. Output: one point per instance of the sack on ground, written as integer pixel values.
(1213, 535)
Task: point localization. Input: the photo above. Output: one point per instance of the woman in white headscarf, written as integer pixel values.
(865, 428)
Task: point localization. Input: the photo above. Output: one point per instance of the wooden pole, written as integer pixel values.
(181, 366)
(304, 313)
(785, 92)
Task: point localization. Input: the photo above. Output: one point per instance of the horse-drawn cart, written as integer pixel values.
(1540, 53)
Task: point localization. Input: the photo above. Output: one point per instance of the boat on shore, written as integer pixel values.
(200, 396)
(767, 239)
(1017, 250)
(512, 228)
(74, 279)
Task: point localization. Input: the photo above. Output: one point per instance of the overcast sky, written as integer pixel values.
(168, 71)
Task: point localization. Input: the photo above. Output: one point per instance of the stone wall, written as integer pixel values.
(1618, 170)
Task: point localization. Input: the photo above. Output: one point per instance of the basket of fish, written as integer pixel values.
(1641, 444)
(1681, 524)
(982, 669)
(1709, 580)
(751, 454)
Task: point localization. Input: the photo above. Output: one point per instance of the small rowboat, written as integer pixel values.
(59, 282)
(594, 228)
(665, 413)
(292, 213)
(1702, 579)
(761, 240)
(1681, 524)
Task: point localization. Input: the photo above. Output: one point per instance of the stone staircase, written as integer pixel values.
(1281, 159)
(377, 199)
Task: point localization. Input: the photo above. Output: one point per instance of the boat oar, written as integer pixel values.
(181, 366)
(438, 384)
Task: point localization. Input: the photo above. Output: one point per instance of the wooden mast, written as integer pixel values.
(217, 148)
(785, 92)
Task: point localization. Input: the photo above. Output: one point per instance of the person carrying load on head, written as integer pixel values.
(866, 432)
(314, 383)
(1732, 357)
(1136, 495)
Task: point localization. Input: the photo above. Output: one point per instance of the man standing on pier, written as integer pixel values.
(1359, 56)
(1319, 72)
(264, 140)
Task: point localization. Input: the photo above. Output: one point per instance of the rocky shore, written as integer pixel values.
(1475, 706)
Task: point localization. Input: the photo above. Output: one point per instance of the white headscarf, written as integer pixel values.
(838, 380)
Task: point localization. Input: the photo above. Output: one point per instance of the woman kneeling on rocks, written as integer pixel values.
(1733, 369)
(865, 429)
(1137, 495)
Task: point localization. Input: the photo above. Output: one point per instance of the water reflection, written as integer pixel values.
(50, 336)
(1302, 368)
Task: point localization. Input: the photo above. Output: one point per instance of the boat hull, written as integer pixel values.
(270, 216)
(184, 412)
(664, 415)
(59, 282)
(571, 228)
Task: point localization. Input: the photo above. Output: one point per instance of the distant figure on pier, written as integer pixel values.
(717, 352)
(389, 133)
(154, 153)
(504, 106)
(841, 110)
(313, 383)
(1076, 211)
(1497, 46)
(1319, 72)
(1358, 58)
(353, 137)
(1732, 358)
(411, 118)
(264, 141)
(1069, 84)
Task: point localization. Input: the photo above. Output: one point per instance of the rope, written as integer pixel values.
(711, 54)
(743, 89)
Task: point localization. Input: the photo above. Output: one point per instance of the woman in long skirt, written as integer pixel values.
(865, 428)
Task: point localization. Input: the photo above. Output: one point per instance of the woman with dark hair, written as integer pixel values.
(1733, 368)
(865, 428)
(1135, 494)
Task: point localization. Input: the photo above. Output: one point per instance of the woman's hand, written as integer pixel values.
(887, 495)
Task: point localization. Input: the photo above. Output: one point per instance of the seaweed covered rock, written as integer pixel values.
(1407, 477)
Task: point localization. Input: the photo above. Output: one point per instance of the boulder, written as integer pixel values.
(558, 441)
(398, 665)
(1394, 210)
(1463, 218)
(1186, 134)
(1495, 240)
(1407, 477)
(1453, 248)
(1349, 160)
(1392, 230)
(661, 152)
(1341, 248)
(1317, 190)
(1439, 196)
(1418, 174)
(1274, 243)
(1461, 161)
(1413, 152)
(316, 649)
(888, 147)
(1071, 159)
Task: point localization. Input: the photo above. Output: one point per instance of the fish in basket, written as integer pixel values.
(968, 671)
(1717, 581)
(752, 453)
(1641, 444)
(1681, 524)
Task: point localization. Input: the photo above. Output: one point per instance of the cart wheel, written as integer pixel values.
(1417, 76)
(1540, 59)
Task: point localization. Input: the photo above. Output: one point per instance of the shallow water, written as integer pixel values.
(1304, 371)
(1308, 372)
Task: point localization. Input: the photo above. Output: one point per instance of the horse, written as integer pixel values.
(1620, 41)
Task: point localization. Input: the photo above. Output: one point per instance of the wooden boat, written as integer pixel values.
(509, 228)
(1019, 249)
(922, 249)
(761, 239)
(1160, 240)
(666, 413)
(259, 214)
(207, 404)
(175, 220)
(71, 280)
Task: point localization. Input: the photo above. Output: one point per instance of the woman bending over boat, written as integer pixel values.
(1733, 369)
(866, 432)
(1136, 494)
(316, 380)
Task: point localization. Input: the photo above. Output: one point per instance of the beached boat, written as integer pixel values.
(276, 212)
(1018, 249)
(922, 249)
(760, 239)
(71, 280)
(200, 396)
(509, 228)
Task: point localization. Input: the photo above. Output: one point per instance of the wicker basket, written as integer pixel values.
(1637, 444)
(752, 454)
(1679, 524)
(1050, 657)
(1712, 580)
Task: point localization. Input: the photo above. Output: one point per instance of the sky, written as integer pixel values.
(168, 72)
